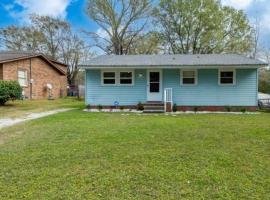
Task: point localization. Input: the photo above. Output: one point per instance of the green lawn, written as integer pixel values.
(80, 155)
(21, 108)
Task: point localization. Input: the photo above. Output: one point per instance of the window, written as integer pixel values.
(22, 77)
(117, 77)
(126, 78)
(226, 77)
(109, 78)
(188, 77)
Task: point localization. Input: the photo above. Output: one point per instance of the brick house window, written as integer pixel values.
(22, 77)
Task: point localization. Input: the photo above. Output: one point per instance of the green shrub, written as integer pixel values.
(88, 107)
(121, 107)
(140, 106)
(228, 108)
(243, 110)
(100, 107)
(9, 90)
(195, 109)
(174, 108)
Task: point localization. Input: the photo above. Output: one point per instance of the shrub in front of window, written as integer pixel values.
(174, 107)
(9, 90)
(140, 106)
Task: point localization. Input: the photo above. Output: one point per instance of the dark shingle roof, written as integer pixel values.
(171, 60)
(9, 56)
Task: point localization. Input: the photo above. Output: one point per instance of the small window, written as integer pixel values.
(109, 78)
(126, 78)
(22, 77)
(226, 77)
(189, 77)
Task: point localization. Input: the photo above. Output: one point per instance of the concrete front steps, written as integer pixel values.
(153, 107)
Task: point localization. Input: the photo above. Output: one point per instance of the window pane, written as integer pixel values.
(21, 74)
(226, 74)
(226, 80)
(109, 81)
(109, 74)
(22, 82)
(125, 74)
(188, 74)
(125, 81)
(154, 76)
(188, 80)
(154, 87)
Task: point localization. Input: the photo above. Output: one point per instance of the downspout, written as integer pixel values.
(30, 76)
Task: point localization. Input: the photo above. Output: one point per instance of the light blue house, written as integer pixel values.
(204, 82)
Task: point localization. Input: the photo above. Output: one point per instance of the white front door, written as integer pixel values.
(154, 85)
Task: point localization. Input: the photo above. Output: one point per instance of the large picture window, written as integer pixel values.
(22, 77)
(188, 77)
(226, 77)
(117, 77)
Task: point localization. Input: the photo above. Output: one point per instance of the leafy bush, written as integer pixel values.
(88, 107)
(195, 109)
(140, 106)
(100, 107)
(228, 108)
(121, 107)
(9, 90)
(243, 110)
(174, 108)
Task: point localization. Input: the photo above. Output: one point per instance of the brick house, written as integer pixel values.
(35, 73)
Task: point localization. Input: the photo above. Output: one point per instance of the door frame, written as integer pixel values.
(159, 96)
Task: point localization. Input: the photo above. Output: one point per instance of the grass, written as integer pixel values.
(80, 155)
(21, 108)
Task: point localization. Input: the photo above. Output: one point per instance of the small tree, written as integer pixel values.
(9, 90)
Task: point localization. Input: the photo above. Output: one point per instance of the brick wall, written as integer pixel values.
(1, 71)
(42, 74)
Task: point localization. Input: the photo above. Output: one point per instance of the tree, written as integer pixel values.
(148, 43)
(121, 21)
(72, 51)
(264, 81)
(202, 26)
(256, 38)
(52, 30)
(21, 38)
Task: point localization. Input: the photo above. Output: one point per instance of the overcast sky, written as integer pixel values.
(17, 12)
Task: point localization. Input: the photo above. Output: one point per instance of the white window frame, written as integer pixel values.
(102, 77)
(25, 78)
(226, 70)
(182, 77)
(117, 77)
(132, 77)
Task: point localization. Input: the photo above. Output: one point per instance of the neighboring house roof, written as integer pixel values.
(10, 56)
(169, 61)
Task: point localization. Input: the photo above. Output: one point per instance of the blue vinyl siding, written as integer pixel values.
(107, 95)
(206, 93)
(209, 93)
